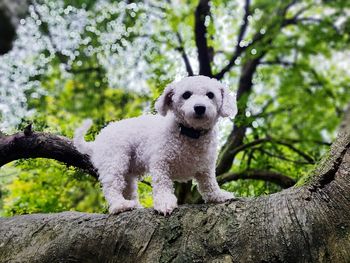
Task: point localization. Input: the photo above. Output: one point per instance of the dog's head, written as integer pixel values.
(197, 101)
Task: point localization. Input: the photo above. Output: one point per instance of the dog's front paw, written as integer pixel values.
(123, 205)
(165, 204)
(220, 197)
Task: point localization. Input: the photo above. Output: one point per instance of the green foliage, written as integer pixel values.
(248, 188)
(46, 186)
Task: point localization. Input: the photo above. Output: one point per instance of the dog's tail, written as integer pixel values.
(78, 140)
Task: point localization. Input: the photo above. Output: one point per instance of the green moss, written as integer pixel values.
(306, 179)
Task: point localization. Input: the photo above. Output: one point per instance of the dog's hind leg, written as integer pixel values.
(130, 190)
(112, 172)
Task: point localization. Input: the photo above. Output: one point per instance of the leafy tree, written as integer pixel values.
(110, 59)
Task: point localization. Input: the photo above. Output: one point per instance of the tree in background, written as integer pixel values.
(286, 60)
(110, 60)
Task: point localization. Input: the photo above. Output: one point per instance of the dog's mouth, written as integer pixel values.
(197, 121)
(199, 117)
(200, 121)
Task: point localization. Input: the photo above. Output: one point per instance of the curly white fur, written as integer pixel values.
(78, 139)
(126, 150)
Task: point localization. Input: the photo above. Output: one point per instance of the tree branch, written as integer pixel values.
(282, 157)
(315, 219)
(43, 145)
(8, 30)
(10, 14)
(237, 134)
(256, 38)
(307, 157)
(251, 144)
(244, 24)
(184, 55)
(278, 62)
(269, 176)
(237, 53)
(181, 48)
(200, 30)
(295, 20)
(239, 48)
(84, 70)
(314, 215)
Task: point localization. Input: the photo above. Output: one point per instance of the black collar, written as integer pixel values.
(191, 132)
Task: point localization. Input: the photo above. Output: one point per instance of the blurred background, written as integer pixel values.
(65, 60)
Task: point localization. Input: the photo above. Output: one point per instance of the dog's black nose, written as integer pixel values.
(199, 110)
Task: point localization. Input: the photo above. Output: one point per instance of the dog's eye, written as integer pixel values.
(186, 95)
(210, 95)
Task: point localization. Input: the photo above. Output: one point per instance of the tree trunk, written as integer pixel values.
(309, 223)
(10, 14)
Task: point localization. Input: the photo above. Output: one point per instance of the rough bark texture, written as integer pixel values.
(310, 223)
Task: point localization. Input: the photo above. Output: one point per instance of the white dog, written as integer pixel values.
(178, 144)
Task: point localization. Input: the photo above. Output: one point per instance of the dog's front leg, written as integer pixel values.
(209, 189)
(164, 199)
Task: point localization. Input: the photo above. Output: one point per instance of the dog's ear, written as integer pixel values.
(164, 102)
(229, 105)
